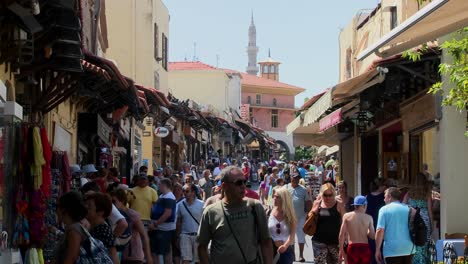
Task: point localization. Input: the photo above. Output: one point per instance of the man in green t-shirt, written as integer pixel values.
(236, 226)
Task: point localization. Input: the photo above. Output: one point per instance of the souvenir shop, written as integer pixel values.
(32, 178)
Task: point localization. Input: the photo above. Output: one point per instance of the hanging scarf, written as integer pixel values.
(38, 158)
(37, 212)
(66, 173)
(46, 171)
(21, 234)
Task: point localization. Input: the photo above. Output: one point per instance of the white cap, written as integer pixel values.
(89, 168)
(75, 168)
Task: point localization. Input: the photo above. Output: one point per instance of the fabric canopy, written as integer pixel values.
(438, 18)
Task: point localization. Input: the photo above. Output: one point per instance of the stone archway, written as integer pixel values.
(282, 148)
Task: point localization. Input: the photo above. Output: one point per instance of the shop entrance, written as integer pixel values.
(369, 162)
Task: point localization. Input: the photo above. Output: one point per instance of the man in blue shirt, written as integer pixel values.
(301, 170)
(392, 226)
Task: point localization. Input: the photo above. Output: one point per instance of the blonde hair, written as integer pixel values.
(302, 182)
(286, 205)
(327, 187)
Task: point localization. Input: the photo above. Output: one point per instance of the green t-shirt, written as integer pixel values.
(214, 228)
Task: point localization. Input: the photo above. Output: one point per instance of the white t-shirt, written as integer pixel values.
(115, 216)
(188, 223)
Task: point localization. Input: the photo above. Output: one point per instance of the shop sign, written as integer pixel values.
(161, 132)
(190, 132)
(330, 120)
(245, 112)
(103, 130)
(226, 135)
(204, 135)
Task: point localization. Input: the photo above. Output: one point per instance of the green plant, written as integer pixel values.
(304, 152)
(457, 72)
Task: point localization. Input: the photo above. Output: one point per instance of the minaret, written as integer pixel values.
(252, 49)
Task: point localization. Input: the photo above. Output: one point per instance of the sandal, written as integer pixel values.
(301, 260)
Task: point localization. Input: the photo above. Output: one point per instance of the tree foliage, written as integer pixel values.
(304, 152)
(456, 71)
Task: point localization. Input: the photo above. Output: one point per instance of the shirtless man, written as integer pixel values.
(358, 226)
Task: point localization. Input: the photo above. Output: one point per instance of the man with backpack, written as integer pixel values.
(393, 227)
(189, 212)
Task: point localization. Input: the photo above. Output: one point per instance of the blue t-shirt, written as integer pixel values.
(302, 172)
(165, 201)
(393, 218)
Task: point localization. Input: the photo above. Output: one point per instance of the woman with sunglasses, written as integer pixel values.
(330, 211)
(282, 224)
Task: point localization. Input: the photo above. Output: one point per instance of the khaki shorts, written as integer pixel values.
(189, 248)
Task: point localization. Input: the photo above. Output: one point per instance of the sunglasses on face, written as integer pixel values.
(239, 182)
(278, 228)
(187, 191)
(328, 195)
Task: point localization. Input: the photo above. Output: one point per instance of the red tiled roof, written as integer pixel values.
(247, 79)
(189, 66)
(253, 80)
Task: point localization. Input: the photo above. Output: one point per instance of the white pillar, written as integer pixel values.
(453, 165)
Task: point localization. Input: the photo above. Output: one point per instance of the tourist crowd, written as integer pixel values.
(211, 215)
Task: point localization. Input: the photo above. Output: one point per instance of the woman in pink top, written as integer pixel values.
(138, 249)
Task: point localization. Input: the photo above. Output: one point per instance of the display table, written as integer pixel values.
(458, 245)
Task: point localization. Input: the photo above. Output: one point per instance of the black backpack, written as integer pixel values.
(417, 227)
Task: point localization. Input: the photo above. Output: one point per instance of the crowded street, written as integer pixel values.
(221, 132)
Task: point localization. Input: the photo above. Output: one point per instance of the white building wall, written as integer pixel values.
(234, 92)
(206, 87)
(283, 137)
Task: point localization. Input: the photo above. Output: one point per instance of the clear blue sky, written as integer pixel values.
(302, 34)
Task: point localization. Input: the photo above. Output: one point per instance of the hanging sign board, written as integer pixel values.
(161, 132)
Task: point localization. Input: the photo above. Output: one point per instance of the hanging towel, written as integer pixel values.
(38, 158)
(66, 173)
(46, 171)
(40, 256)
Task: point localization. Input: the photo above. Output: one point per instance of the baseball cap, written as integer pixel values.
(360, 200)
(75, 168)
(89, 168)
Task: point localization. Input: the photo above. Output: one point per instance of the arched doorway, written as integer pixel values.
(282, 150)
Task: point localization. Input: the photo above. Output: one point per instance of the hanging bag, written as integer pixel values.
(310, 224)
(92, 251)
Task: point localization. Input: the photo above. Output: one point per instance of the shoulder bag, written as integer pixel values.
(190, 213)
(92, 251)
(310, 224)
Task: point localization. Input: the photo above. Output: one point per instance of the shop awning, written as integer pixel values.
(330, 120)
(357, 84)
(438, 18)
(297, 122)
(321, 149)
(328, 138)
(332, 150)
(341, 90)
(318, 109)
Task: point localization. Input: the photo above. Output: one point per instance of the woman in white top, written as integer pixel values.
(282, 225)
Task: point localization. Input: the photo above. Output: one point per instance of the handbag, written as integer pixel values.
(92, 251)
(310, 224)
